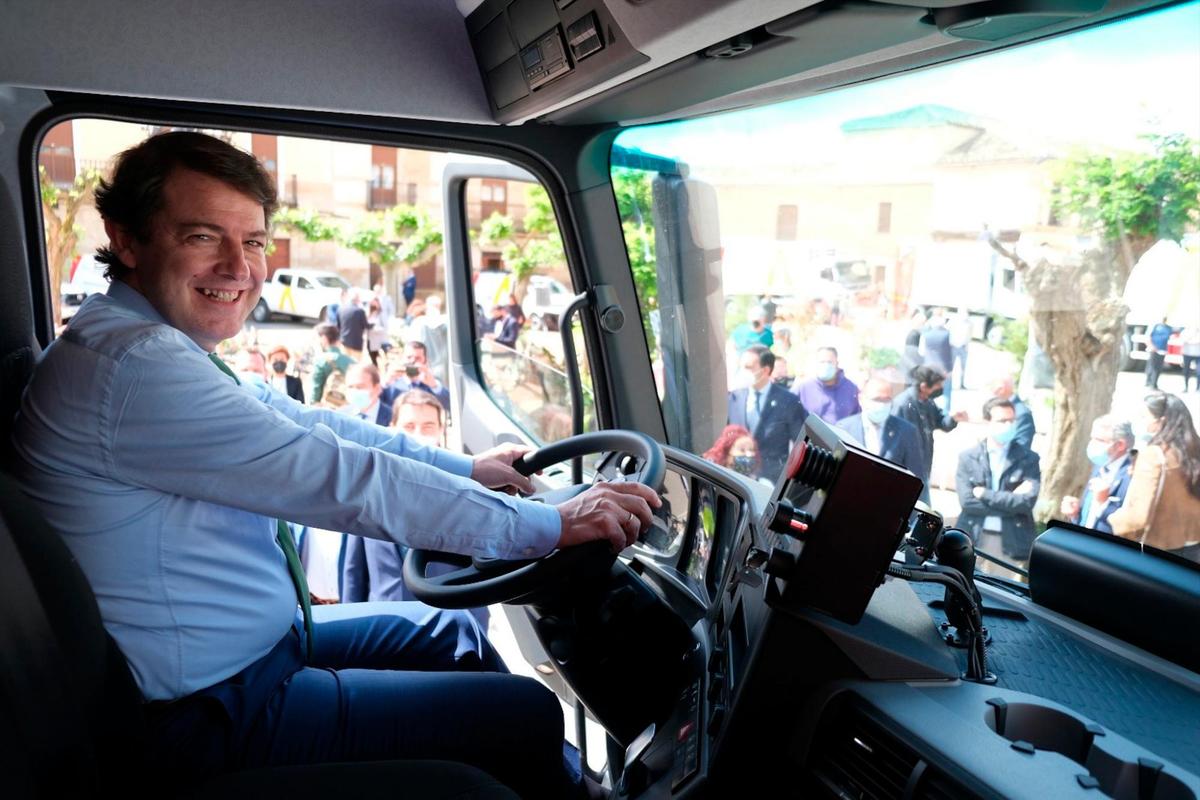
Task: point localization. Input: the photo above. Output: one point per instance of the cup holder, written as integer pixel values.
(1030, 726)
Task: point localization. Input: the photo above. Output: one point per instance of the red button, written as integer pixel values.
(685, 730)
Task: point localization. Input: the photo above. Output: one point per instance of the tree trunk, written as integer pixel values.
(1079, 322)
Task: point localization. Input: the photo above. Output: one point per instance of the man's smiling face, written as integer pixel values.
(203, 263)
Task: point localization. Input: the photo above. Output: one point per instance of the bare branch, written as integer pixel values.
(1019, 263)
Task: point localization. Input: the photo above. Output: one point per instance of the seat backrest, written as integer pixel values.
(70, 712)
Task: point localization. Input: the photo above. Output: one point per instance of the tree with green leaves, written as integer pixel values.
(60, 207)
(400, 235)
(635, 205)
(539, 247)
(1127, 202)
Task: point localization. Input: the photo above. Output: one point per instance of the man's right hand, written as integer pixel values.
(614, 511)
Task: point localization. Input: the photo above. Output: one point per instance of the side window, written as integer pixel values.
(521, 286)
(302, 283)
(285, 280)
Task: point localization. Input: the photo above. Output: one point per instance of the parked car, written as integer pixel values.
(300, 293)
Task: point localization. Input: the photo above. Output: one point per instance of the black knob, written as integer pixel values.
(716, 661)
(629, 465)
(780, 564)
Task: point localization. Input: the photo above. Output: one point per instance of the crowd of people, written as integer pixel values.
(1145, 479)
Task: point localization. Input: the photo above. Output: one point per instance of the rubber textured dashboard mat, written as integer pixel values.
(1030, 656)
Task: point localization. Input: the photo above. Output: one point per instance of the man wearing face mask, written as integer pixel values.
(372, 570)
(915, 406)
(279, 378)
(363, 390)
(881, 432)
(771, 413)
(1111, 452)
(829, 393)
(998, 482)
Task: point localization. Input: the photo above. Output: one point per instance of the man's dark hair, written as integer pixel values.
(765, 357)
(417, 344)
(827, 349)
(329, 332)
(994, 403)
(135, 193)
(928, 375)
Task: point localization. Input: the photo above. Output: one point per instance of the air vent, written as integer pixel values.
(855, 756)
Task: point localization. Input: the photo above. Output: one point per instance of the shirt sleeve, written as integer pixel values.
(174, 423)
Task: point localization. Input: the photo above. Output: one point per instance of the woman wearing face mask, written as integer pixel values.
(1162, 508)
(736, 449)
(277, 363)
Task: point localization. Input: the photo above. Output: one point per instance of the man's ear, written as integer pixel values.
(121, 242)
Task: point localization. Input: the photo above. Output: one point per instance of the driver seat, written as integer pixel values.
(71, 715)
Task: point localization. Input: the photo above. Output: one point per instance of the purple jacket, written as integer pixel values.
(830, 403)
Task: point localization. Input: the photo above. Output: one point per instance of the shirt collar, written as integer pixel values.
(130, 299)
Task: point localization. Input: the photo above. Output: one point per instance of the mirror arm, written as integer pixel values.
(573, 378)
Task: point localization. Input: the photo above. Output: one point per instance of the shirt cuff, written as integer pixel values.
(454, 463)
(542, 525)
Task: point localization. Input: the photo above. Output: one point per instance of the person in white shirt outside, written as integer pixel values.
(959, 327)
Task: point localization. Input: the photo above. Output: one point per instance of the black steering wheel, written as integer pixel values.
(483, 581)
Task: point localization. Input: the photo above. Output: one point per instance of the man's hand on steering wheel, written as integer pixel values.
(613, 511)
(493, 468)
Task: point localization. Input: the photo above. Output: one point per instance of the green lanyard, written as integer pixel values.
(286, 543)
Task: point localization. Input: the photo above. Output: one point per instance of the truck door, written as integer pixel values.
(499, 222)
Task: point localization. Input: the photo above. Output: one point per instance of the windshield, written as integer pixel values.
(333, 283)
(987, 272)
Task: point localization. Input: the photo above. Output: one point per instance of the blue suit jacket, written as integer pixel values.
(372, 571)
(779, 423)
(899, 441)
(1117, 488)
(383, 413)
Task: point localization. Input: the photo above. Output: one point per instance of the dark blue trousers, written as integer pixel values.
(386, 681)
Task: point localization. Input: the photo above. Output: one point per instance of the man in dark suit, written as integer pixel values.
(363, 390)
(881, 432)
(998, 482)
(278, 360)
(1004, 388)
(773, 414)
(352, 326)
(372, 569)
(1111, 452)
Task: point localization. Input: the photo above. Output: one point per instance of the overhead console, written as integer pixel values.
(534, 53)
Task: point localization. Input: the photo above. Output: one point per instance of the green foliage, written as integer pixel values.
(403, 234)
(307, 222)
(632, 189)
(1153, 194)
(1014, 336)
(540, 247)
(883, 358)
